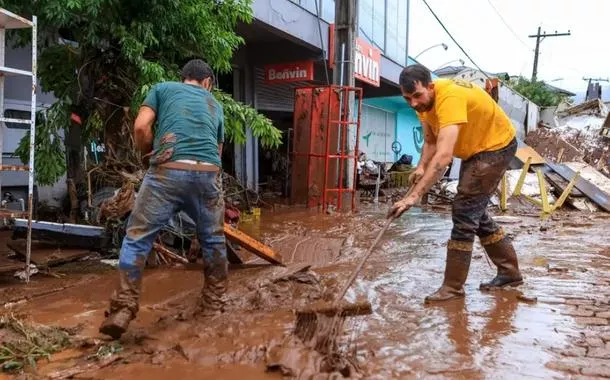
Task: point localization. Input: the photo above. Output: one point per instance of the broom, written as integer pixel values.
(318, 325)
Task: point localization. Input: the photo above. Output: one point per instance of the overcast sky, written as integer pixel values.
(563, 61)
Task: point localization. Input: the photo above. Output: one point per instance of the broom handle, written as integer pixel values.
(361, 264)
(367, 254)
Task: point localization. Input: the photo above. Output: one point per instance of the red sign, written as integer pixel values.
(367, 60)
(289, 72)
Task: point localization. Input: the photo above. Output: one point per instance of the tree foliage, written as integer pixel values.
(537, 92)
(100, 57)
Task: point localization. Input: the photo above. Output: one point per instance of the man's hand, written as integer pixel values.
(401, 206)
(415, 176)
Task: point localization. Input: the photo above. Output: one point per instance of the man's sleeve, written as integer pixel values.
(152, 99)
(451, 110)
(221, 125)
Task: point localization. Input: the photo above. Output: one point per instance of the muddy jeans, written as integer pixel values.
(163, 193)
(479, 178)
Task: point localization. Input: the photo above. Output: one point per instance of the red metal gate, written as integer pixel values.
(321, 157)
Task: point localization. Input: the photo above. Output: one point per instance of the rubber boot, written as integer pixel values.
(212, 299)
(123, 305)
(456, 272)
(502, 253)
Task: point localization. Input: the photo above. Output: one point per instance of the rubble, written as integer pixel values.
(576, 136)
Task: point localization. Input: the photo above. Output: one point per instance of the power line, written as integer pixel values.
(508, 26)
(453, 39)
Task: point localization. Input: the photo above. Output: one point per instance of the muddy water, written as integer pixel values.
(485, 335)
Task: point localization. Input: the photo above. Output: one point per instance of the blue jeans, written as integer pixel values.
(163, 193)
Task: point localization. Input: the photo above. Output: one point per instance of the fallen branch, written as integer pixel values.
(167, 254)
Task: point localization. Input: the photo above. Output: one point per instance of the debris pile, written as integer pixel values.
(23, 343)
(576, 136)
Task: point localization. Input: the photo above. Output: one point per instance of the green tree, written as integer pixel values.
(537, 92)
(100, 57)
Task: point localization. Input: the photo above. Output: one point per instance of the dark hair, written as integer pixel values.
(410, 75)
(196, 69)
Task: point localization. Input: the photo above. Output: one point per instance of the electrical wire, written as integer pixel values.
(453, 39)
(508, 26)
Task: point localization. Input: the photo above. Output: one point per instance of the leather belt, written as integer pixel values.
(185, 166)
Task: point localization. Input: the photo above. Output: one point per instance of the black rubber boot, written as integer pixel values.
(503, 255)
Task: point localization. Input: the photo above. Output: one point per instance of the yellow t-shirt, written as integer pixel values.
(483, 124)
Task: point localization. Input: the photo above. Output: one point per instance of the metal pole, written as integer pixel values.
(2, 52)
(32, 143)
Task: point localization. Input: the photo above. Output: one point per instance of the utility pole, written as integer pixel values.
(539, 37)
(595, 91)
(346, 21)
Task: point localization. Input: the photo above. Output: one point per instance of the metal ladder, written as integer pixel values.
(9, 20)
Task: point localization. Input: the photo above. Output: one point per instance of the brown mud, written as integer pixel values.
(557, 325)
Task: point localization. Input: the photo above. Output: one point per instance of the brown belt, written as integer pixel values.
(195, 167)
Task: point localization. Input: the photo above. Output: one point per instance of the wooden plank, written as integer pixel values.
(596, 195)
(46, 255)
(526, 152)
(252, 245)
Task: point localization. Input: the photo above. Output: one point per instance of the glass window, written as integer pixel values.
(310, 5)
(16, 114)
(391, 46)
(365, 19)
(328, 11)
(396, 33)
(402, 32)
(379, 24)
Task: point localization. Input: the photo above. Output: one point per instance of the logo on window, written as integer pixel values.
(418, 138)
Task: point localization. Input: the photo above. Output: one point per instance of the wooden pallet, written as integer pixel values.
(252, 245)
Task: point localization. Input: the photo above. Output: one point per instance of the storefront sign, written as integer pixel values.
(289, 72)
(367, 59)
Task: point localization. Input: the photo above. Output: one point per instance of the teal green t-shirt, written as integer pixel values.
(190, 123)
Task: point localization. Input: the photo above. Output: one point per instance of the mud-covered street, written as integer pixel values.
(557, 325)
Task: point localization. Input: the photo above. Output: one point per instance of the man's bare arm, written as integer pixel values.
(143, 130)
(443, 155)
(220, 150)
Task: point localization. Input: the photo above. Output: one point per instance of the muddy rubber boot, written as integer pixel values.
(456, 272)
(212, 298)
(211, 301)
(503, 255)
(123, 306)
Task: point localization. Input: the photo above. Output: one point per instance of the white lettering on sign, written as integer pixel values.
(365, 64)
(288, 74)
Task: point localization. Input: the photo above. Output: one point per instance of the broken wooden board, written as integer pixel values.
(46, 255)
(66, 234)
(252, 245)
(591, 191)
(526, 152)
(314, 250)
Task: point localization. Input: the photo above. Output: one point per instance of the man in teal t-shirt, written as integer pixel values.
(180, 132)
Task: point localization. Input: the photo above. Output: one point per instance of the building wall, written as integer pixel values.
(299, 19)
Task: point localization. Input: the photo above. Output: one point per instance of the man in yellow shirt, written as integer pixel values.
(460, 119)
